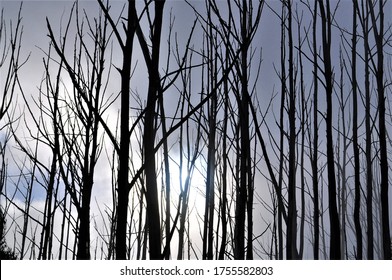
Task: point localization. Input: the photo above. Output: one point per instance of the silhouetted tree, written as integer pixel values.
(357, 167)
(88, 92)
(326, 24)
(377, 24)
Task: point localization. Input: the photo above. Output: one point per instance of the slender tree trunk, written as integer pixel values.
(167, 179)
(281, 127)
(212, 113)
(304, 126)
(154, 228)
(342, 168)
(226, 101)
(368, 129)
(242, 191)
(326, 23)
(357, 179)
(123, 180)
(291, 246)
(316, 212)
(246, 169)
(384, 169)
(211, 165)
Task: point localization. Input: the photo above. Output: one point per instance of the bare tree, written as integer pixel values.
(126, 45)
(355, 134)
(212, 104)
(243, 36)
(216, 129)
(291, 243)
(154, 89)
(10, 65)
(326, 24)
(363, 16)
(87, 89)
(315, 183)
(377, 22)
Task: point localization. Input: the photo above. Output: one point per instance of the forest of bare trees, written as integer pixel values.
(197, 130)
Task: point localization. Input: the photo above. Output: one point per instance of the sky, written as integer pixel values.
(266, 42)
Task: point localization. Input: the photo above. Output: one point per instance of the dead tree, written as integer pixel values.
(377, 21)
(154, 89)
(357, 204)
(212, 104)
(291, 240)
(126, 45)
(326, 25)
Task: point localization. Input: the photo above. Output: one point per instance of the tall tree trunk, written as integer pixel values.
(245, 169)
(246, 164)
(342, 167)
(326, 23)
(212, 113)
(316, 212)
(223, 207)
(291, 244)
(281, 127)
(368, 129)
(210, 181)
(304, 127)
(357, 203)
(384, 169)
(167, 179)
(123, 180)
(154, 229)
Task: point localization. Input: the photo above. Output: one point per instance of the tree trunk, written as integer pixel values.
(245, 169)
(154, 229)
(357, 203)
(123, 180)
(281, 128)
(326, 23)
(291, 244)
(384, 169)
(368, 129)
(316, 212)
(224, 219)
